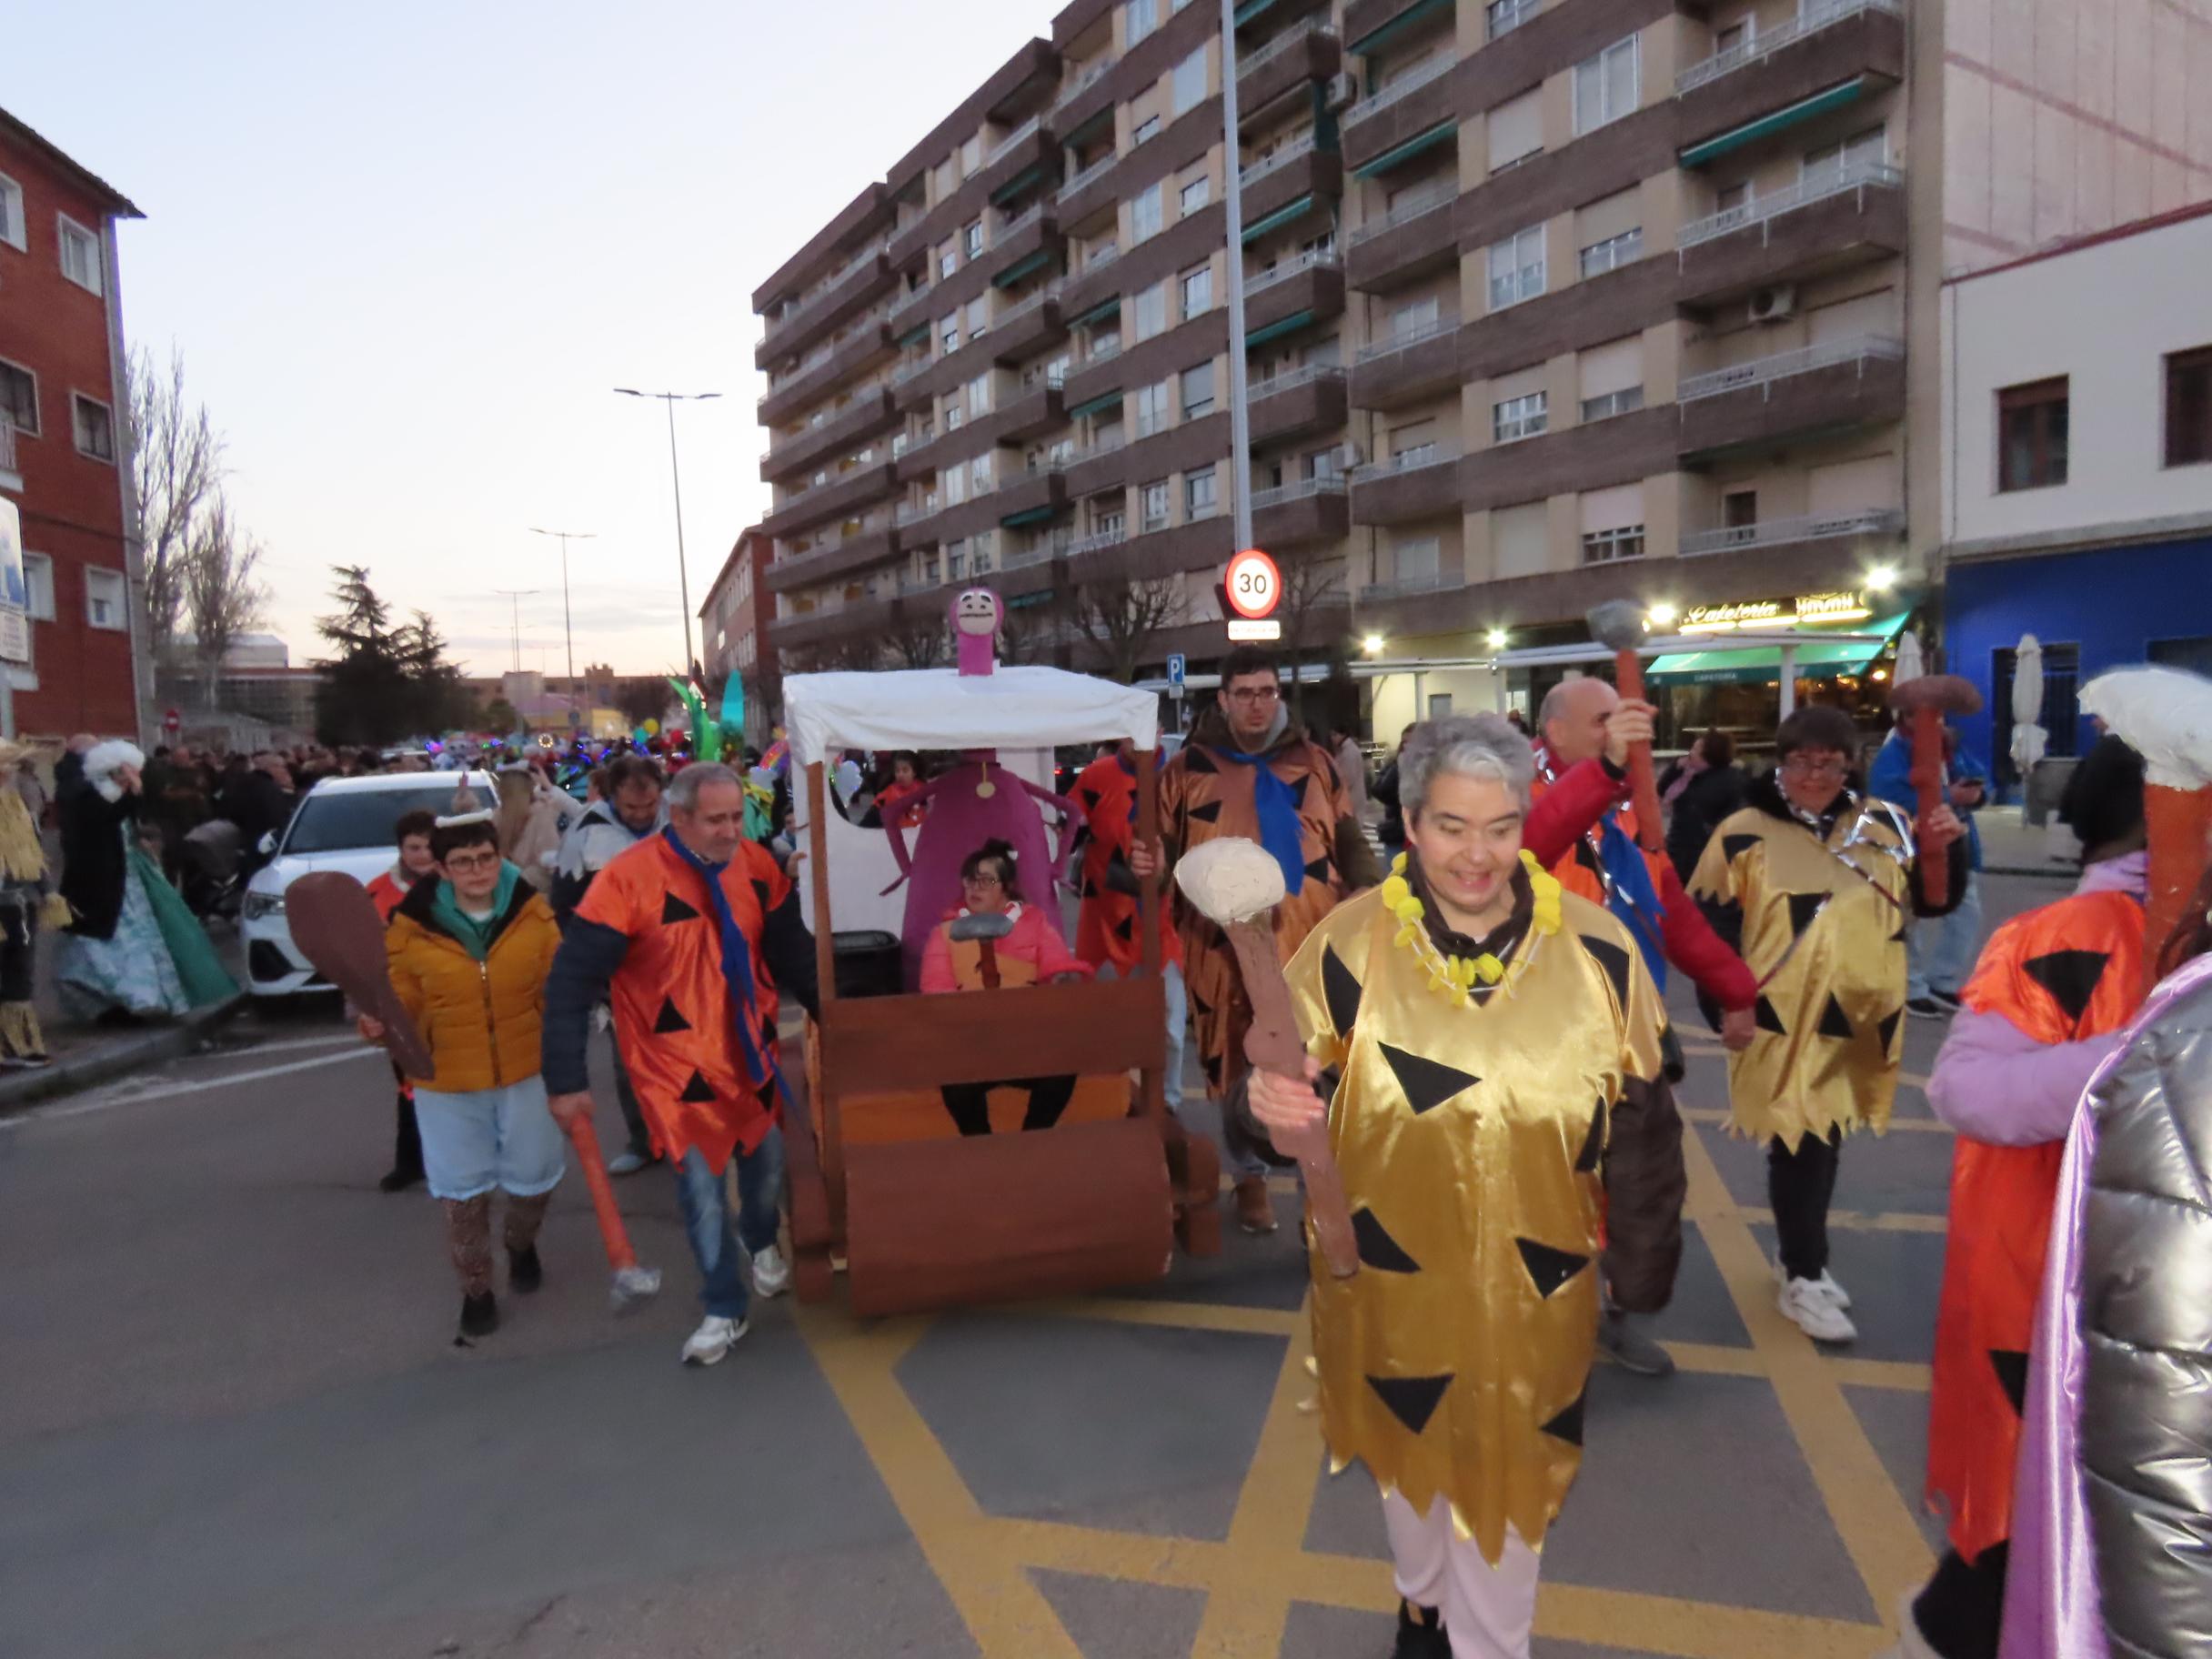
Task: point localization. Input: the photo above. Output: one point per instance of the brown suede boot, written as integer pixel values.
(1255, 1206)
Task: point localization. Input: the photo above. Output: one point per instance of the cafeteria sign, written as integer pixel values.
(1805, 608)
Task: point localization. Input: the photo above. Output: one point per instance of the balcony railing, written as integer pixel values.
(1811, 21)
(1014, 314)
(907, 371)
(1089, 174)
(1293, 380)
(1814, 188)
(1301, 146)
(1283, 43)
(1104, 347)
(1093, 450)
(909, 511)
(1782, 532)
(1023, 221)
(1012, 141)
(813, 301)
(1427, 199)
(1411, 82)
(1285, 269)
(1085, 76)
(1105, 254)
(1416, 459)
(1400, 585)
(1784, 364)
(1098, 541)
(907, 303)
(1405, 339)
(1328, 484)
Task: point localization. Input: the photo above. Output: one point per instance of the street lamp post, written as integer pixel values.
(567, 617)
(1239, 411)
(683, 573)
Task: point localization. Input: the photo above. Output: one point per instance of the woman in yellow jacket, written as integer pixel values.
(468, 954)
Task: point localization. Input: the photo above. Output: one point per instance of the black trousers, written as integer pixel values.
(1962, 1610)
(19, 950)
(406, 1136)
(970, 1107)
(1799, 1187)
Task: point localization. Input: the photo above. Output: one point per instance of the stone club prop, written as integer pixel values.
(334, 923)
(632, 1284)
(1924, 700)
(1618, 626)
(2166, 715)
(985, 932)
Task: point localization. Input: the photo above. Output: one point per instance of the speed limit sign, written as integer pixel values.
(1254, 583)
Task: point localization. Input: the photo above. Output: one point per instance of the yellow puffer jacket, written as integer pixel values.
(481, 1018)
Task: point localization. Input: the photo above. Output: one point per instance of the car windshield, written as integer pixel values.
(332, 821)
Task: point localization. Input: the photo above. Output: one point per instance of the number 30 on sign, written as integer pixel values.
(1255, 587)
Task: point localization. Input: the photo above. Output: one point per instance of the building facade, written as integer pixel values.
(734, 631)
(65, 451)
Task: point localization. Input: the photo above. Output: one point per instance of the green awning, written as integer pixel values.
(1816, 658)
(1020, 181)
(1281, 216)
(1092, 405)
(920, 331)
(1275, 331)
(1252, 9)
(1805, 109)
(1105, 308)
(1015, 273)
(1027, 515)
(1376, 39)
(1399, 155)
(1075, 134)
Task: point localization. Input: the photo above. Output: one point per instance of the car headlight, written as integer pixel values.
(259, 905)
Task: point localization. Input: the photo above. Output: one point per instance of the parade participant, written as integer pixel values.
(469, 954)
(1809, 863)
(1029, 953)
(1497, 1047)
(1699, 791)
(1939, 956)
(529, 823)
(1610, 867)
(1351, 769)
(691, 933)
(114, 964)
(900, 803)
(1107, 919)
(26, 904)
(2046, 1005)
(1391, 831)
(415, 863)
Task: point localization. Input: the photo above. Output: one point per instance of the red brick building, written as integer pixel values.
(64, 453)
(733, 630)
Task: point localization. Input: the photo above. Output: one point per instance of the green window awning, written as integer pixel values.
(1252, 9)
(1105, 308)
(1375, 40)
(1281, 216)
(1020, 182)
(1091, 124)
(1275, 331)
(1397, 155)
(1027, 515)
(1805, 109)
(920, 331)
(1816, 658)
(1014, 273)
(1093, 405)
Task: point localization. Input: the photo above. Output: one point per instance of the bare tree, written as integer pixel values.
(1312, 590)
(919, 642)
(178, 472)
(219, 594)
(1123, 615)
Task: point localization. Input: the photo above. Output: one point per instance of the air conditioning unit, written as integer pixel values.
(1775, 304)
(1344, 92)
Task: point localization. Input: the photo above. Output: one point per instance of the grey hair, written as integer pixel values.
(1465, 746)
(683, 794)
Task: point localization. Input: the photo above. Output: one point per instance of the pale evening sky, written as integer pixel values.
(407, 251)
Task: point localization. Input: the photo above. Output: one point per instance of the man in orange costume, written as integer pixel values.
(689, 934)
(1106, 924)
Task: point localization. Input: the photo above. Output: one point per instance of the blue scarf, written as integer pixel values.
(1276, 803)
(737, 958)
(1630, 895)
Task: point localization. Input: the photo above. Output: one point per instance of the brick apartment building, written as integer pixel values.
(1548, 302)
(65, 457)
(734, 629)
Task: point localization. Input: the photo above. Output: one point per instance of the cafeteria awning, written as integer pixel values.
(1817, 659)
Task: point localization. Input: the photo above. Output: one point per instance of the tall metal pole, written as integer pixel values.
(514, 597)
(1232, 166)
(567, 617)
(683, 569)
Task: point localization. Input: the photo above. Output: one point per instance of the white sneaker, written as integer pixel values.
(771, 1272)
(714, 1338)
(1825, 1284)
(1804, 1304)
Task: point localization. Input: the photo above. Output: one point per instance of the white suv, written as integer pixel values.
(344, 823)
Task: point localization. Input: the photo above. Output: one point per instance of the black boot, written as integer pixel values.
(480, 1315)
(525, 1272)
(1421, 1633)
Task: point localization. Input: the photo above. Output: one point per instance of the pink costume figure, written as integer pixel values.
(977, 614)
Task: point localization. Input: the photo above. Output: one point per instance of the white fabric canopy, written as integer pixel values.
(1014, 707)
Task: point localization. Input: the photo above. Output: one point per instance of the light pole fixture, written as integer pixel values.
(514, 597)
(683, 573)
(567, 617)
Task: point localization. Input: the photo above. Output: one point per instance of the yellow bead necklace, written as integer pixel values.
(1455, 977)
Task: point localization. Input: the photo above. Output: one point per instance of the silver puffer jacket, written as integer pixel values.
(2147, 1324)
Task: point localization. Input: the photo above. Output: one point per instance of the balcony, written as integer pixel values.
(1793, 393)
(1423, 483)
(1416, 104)
(827, 367)
(1300, 171)
(1298, 292)
(864, 551)
(1098, 541)
(906, 241)
(911, 307)
(1306, 52)
(839, 499)
(1876, 521)
(1024, 157)
(1307, 400)
(1028, 496)
(870, 413)
(1833, 220)
(1038, 410)
(843, 296)
(1405, 586)
(1025, 247)
(1314, 510)
(1415, 238)
(1098, 465)
(1086, 95)
(1410, 364)
(849, 619)
(1086, 192)
(919, 458)
(1832, 53)
(1017, 332)
(1365, 19)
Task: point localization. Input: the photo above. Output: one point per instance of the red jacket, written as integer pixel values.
(1029, 955)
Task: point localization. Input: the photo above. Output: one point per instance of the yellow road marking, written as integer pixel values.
(1179, 1316)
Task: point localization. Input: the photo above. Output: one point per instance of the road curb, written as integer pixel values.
(19, 1090)
(2051, 872)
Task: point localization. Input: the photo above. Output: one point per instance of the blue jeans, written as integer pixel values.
(705, 1197)
(1939, 954)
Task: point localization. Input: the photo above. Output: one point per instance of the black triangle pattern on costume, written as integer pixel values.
(1547, 1267)
(1568, 1425)
(1211, 813)
(1411, 1400)
(1126, 928)
(1833, 1022)
(1091, 888)
(1803, 907)
(1089, 797)
(1594, 1143)
(698, 1090)
(1614, 960)
(1378, 1250)
(2012, 1376)
(1586, 856)
(1731, 845)
(673, 908)
(1213, 1070)
(1318, 870)
(2070, 976)
(1888, 1028)
(760, 892)
(1428, 1083)
(1903, 936)
(1765, 1017)
(1341, 989)
(670, 1019)
(1196, 759)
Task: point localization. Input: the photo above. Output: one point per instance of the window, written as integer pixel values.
(1604, 406)
(19, 398)
(38, 583)
(1521, 538)
(972, 155)
(1197, 292)
(1144, 132)
(1148, 312)
(1516, 269)
(1325, 463)
(1607, 546)
(979, 316)
(1740, 509)
(978, 474)
(978, 394)
(1144, 213)
(954, 415)
(949, 332)
(952, 485)
(106, 604)
(1516, 129)
(1198, 498)
(13, 230)
(948, 261)
(1151, 402)
(956, 559)
(1869, 148)
(1733, 198)
(1612, 378)
(1734, 36)
(1156, 504)
(1188, 90)
(2189, 407)
(1413, 317)
(1413, 445)
(1605, 86)
(971, 238)
(1139, 18)
(95, 428)
(2032, 435)
(80, 255)
(1523, 417)
(1198, 390)
(1503, 16)
(1197, 191)
(1612, 253)
(1415, 561)
(1612, 524)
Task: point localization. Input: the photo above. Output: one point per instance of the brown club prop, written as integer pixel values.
(1618, 625)
(1925, 701)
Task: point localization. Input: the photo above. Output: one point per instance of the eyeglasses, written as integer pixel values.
(1255, 694)
(467, 862)
(1799, 766)
(982, 883)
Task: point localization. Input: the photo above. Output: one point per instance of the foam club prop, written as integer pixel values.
(2166, 715)
(1236, 884)
(1924, 700)
(632, 1284)
(1618, 626)
(334, 923)
(986, 932)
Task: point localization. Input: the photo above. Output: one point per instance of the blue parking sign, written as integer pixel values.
(1176, 669)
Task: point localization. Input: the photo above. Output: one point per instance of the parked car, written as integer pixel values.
(344, 823)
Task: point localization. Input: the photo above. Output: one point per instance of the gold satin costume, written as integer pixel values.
(1470, 1134)
(1828, 1044)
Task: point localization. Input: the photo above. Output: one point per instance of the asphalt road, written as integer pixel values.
(234, 1421)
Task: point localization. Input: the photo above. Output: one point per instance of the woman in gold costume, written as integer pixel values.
(1490, 1049)
(1815, 888)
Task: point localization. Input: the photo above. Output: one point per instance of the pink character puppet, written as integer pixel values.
(976, 616)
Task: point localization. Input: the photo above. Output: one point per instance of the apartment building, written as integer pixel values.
(733, 631)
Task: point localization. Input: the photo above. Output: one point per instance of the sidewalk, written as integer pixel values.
(2012, 848)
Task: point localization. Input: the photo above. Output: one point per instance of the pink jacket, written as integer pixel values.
(1032, 942)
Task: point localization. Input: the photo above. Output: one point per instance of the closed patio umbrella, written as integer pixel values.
(2028, 737)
